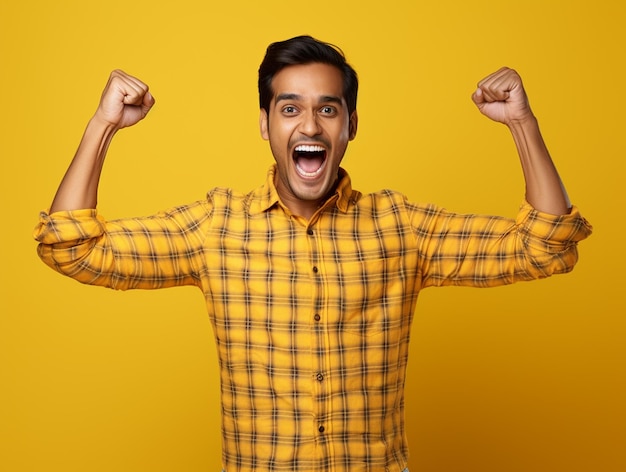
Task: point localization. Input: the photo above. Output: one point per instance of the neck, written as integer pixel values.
(303, 208)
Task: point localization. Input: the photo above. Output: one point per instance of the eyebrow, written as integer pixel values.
(296, 97)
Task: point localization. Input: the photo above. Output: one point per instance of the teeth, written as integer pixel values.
(306, 148)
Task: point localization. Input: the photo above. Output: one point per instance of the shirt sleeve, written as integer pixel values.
(159, 251)
(487, 251)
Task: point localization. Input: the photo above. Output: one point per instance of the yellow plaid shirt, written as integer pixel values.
(311, 318)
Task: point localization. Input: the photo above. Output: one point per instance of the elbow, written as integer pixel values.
(562, 262)
(76, 261)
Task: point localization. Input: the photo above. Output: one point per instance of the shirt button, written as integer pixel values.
(309, 232)
(317, 317)
(320, 377)
(321, 429)
(315, 269)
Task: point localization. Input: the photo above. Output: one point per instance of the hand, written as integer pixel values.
(125, 100)
(501, 97)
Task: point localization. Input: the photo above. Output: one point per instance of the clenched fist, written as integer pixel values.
(501, 97)
(125, 100)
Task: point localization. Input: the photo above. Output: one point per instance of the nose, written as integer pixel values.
(310, 125)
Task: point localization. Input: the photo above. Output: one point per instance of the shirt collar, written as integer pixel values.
(266, 196)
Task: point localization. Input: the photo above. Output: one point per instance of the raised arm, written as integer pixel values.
(125, 101)
(502, 98)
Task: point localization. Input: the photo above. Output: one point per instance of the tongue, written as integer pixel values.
(310, 164)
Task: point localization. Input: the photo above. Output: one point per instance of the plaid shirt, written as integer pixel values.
(311, 318)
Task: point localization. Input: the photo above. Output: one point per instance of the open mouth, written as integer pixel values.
(310, 160)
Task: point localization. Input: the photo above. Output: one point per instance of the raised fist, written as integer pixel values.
(125, 100)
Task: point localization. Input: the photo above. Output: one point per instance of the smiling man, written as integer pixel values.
(310, 285)
(311, 127)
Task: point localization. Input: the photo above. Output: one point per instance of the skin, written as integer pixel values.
(125, 101)
(308, 107)
(502, 98)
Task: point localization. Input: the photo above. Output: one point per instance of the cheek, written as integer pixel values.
(280, 135)
(280, 151)
(344, 132)
(343, 137)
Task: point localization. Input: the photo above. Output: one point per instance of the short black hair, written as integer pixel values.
(305, 50)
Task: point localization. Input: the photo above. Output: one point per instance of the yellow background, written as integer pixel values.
(523, 378)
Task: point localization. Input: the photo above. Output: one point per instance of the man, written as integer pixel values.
(310, 285)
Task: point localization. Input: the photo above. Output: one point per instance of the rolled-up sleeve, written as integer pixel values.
(553, 238)
(487, 251)
(159, 251)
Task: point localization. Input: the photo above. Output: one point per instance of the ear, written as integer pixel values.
(354, 122)
(263, 124)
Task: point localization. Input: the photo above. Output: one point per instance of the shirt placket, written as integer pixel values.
(319, 348)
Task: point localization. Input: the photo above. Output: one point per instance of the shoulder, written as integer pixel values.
(395, 208)
(385, 200)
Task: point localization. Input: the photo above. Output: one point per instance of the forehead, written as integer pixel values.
(308, 81)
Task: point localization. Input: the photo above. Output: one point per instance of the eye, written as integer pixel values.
(328, 110)
(289, 110)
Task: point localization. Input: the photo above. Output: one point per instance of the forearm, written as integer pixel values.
(544, 188)
(79, 187)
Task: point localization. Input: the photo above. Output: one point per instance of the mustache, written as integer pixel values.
(314, 140)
